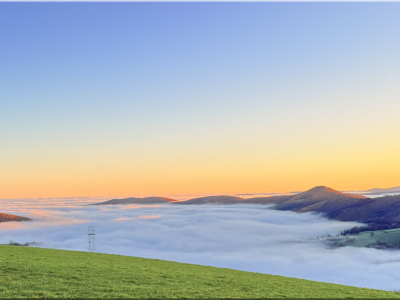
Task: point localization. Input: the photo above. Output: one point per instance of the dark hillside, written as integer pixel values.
(382, 210)
(378, 213)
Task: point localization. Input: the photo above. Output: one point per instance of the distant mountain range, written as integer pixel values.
(202, 200)
(382, 191)
(133, 200)
(315, 195)
(212, 200)
(377, 213)
(9, 218)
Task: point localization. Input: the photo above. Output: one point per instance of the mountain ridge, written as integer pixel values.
(376, 213)
(222, 199)
(388, 190)
(317, 193)
(135, 200)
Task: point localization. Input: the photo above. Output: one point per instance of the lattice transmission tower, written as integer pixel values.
(91, 238)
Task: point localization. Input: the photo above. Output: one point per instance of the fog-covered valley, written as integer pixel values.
(245, 237)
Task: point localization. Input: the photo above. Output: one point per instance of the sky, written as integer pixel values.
(244, 237)
(104, 99)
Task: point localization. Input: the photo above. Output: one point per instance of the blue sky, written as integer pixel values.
(162, 84)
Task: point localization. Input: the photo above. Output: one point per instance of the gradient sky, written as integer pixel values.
(101, 99)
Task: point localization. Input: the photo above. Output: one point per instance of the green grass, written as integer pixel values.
(390, 237)
(48, 273)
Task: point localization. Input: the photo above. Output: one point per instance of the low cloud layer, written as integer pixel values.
(244, 237)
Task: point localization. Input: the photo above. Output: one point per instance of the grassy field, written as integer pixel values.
(390, 237)
(48, 273)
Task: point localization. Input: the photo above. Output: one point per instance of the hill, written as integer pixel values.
(48, 273)
(213, 200)
(267, 200)
(313, 196)
(324, 193)
(303, 199)
(378, 213)
(9, 218)
(319, 199)
(146, 200)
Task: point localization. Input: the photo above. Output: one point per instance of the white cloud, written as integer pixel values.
(244, 237)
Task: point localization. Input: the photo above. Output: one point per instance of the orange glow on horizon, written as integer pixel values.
(284, 165)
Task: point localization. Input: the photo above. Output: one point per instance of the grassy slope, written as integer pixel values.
(36, 272)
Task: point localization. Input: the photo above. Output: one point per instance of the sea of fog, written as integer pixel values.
(244, 237)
